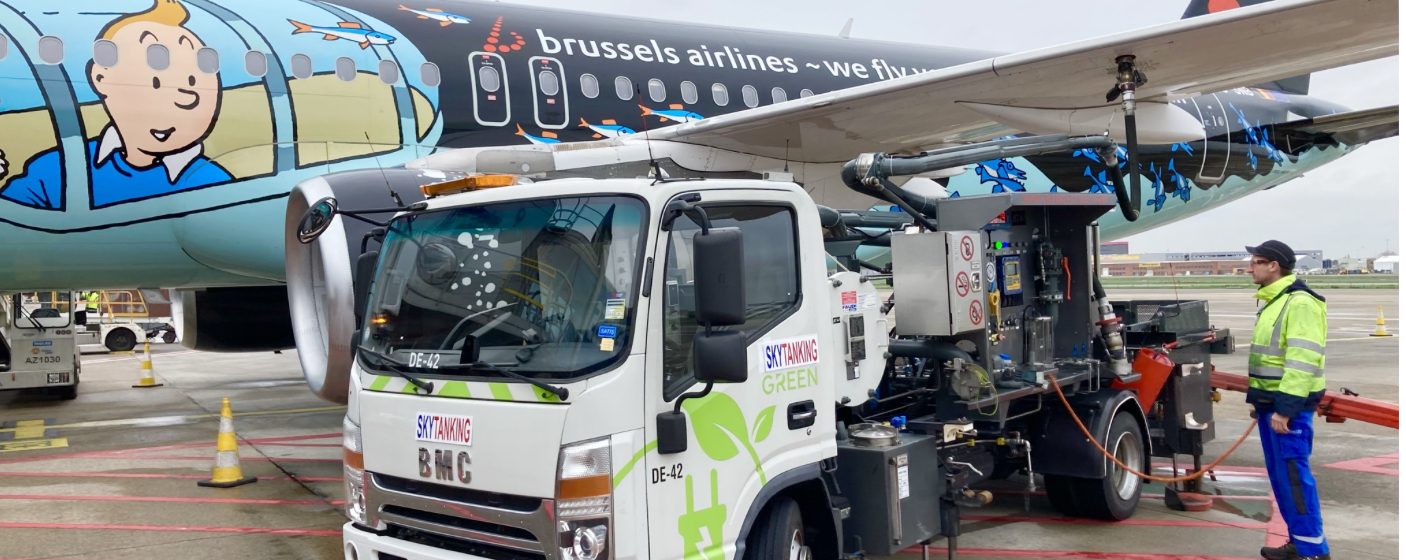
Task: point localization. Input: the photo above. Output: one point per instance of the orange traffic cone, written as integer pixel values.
(148, 379)
(226, 472)
(1381, 324)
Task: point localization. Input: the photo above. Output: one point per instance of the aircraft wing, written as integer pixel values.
(1356, 127)
(1062, 84)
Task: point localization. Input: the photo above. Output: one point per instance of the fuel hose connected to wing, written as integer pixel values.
(1154, 478)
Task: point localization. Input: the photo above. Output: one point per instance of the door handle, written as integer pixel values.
(800, 415)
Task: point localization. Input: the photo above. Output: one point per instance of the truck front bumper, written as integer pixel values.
(361, 545)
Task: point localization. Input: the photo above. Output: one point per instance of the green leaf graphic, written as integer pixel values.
(720, 427)
(762, 427)
(717, 423)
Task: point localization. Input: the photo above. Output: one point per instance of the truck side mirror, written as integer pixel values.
(718, 285)
(720, 357)
(361, 283)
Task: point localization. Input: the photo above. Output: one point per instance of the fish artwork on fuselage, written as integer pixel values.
(170, 98)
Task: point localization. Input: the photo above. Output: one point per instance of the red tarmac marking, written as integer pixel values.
(172, 528)
(1126, 522)
(170, 499)
(1081, 554)
(211, 458)
(1372, 465)
(167, 476)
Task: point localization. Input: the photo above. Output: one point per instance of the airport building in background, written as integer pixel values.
(1115, 259)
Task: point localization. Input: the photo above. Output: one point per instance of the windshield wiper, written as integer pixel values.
(560, 392)
(390, 365)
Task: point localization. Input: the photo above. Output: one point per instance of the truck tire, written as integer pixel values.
(779, 534)
(1063, 492)
(169, 336)
(120, 340)
(1115, 497)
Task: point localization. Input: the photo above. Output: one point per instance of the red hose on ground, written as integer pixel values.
(1070, 408)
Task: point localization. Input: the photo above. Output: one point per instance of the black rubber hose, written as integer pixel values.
(928, 349)
(1130, 125)
(1130, 210)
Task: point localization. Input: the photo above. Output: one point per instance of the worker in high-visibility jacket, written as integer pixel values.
(1286, 383)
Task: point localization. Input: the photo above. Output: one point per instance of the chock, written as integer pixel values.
(1381, 324)
(226, 472)
(148, 379)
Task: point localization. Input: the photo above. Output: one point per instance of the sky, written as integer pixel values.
(1362, 218)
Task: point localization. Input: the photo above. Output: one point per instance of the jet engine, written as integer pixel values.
(235, 319)
(321, 299)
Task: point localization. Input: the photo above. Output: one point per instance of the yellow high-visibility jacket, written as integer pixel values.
(1288, 347)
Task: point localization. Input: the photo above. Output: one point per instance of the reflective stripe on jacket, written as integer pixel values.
(1288, 347)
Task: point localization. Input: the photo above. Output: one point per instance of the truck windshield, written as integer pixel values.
(544, 288)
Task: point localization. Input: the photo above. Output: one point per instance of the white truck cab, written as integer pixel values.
(37, 345)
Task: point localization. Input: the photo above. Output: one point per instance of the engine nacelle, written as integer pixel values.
(235, 319)
(321, 299)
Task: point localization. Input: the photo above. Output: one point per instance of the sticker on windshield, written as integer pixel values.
(607, 345)
(607, 331)
(438, 428)
(615, 309)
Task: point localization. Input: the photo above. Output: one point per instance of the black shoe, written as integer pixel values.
(1285, 551)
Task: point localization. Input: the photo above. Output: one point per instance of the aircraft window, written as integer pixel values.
(488, 78)
(346, 69)
(256, 64)
(158, 57)
(429, 73)
(749, 96)
(657, 91)
(4, 47)
(208, 60)
(390, 73)
(778, 95)
(689, 91)
(105, 53)
(302, 66)
(590, 86)
(720, 94)
(807, 93)
(50, 49)
(624, 89)
(549, 84)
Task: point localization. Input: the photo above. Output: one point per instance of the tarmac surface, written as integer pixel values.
(113, 474)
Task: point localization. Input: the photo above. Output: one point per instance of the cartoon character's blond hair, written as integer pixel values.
(166, 12)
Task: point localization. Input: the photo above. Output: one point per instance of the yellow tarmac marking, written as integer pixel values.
(32, 444)
(158, 421)
(29, 429)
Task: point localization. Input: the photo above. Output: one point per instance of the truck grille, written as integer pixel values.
(487, 524)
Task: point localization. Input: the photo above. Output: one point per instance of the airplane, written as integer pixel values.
(159, 140)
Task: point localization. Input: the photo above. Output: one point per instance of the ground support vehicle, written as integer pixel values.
(123, 320)
(37, 343)
(631, 368)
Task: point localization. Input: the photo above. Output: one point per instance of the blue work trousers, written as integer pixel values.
(1296, 492)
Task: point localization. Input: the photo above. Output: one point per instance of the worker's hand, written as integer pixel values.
(1280, 423)
(1254, 414)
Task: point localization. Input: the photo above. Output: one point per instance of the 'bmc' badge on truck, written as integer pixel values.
(438, 428)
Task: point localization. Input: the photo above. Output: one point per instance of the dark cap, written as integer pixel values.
(1276, 251)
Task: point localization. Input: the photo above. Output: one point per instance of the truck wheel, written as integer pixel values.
(1116, 496)
(168, 337)
(1063, 492)
(779, 534)
(120, 340)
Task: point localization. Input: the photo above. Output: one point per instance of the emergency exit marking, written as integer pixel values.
(968, 248)
(974, 312)
(963, 284)
(33, 444)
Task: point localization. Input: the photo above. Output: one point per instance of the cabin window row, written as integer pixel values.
(158, 57)
(658, 92)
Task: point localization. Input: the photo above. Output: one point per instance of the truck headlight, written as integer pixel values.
(354, 472)
(584, 501)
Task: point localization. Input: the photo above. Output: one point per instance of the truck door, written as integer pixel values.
(741, 435)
